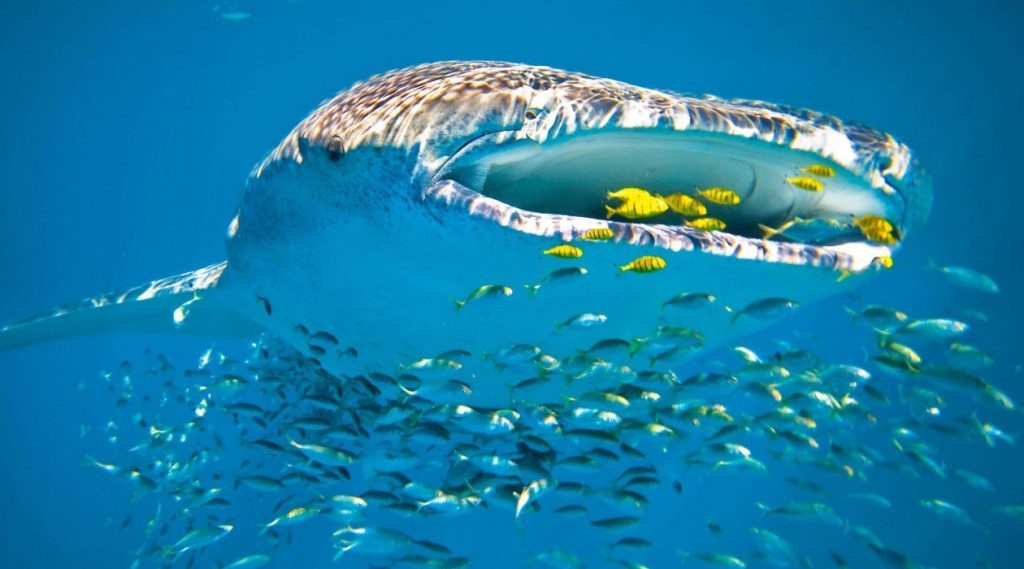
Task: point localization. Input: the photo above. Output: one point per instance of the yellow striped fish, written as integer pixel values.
(565, 252)
(686, 205)
(806, 183)
(645, 264)
(627, 194)
(597, 234)
(877, 229)
(874, 223)
(707, 224)
(639, 208)
(720, 196)
(819, 170)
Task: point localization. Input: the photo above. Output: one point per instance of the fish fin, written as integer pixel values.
(883, 335)
(189, 303)
(635, 345)
(854, 315)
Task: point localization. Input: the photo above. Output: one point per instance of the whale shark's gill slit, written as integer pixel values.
(573, 174)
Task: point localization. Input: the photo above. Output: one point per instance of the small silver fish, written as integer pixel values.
(248, 561)
(767, 309)
(555, 277)
(965, 277)
(585, 320)
(932, 329)
(689, 300)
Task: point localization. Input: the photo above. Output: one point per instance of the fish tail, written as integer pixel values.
(735, 316)
(532, 290)
(764, 509)
(768, 231)
(459, 304)
(609, 212)
(634, 347)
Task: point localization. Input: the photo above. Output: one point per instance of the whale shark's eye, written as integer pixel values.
(532, 113)
(335, 149)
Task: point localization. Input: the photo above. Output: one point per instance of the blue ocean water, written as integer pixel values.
(128, 129)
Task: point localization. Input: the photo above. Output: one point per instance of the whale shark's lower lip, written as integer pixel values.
(559, 187)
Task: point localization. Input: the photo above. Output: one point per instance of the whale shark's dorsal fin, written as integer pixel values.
(188, 303)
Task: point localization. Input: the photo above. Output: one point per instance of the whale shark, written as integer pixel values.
(408, 216)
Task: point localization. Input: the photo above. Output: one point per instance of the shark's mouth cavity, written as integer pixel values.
(572, 175)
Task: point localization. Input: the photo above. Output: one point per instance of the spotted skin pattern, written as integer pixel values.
(437, 107)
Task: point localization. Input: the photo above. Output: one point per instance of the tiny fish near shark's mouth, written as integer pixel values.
(561, 187)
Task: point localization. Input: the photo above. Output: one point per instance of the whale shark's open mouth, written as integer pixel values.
(791, 201)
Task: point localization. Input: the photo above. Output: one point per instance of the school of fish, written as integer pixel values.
(373, 455)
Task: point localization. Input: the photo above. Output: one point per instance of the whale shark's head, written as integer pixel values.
(536, 150)
(420, 186)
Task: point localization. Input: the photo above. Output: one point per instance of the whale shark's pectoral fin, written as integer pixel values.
(189, 303)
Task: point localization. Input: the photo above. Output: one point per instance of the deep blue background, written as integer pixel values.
(127, 129)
